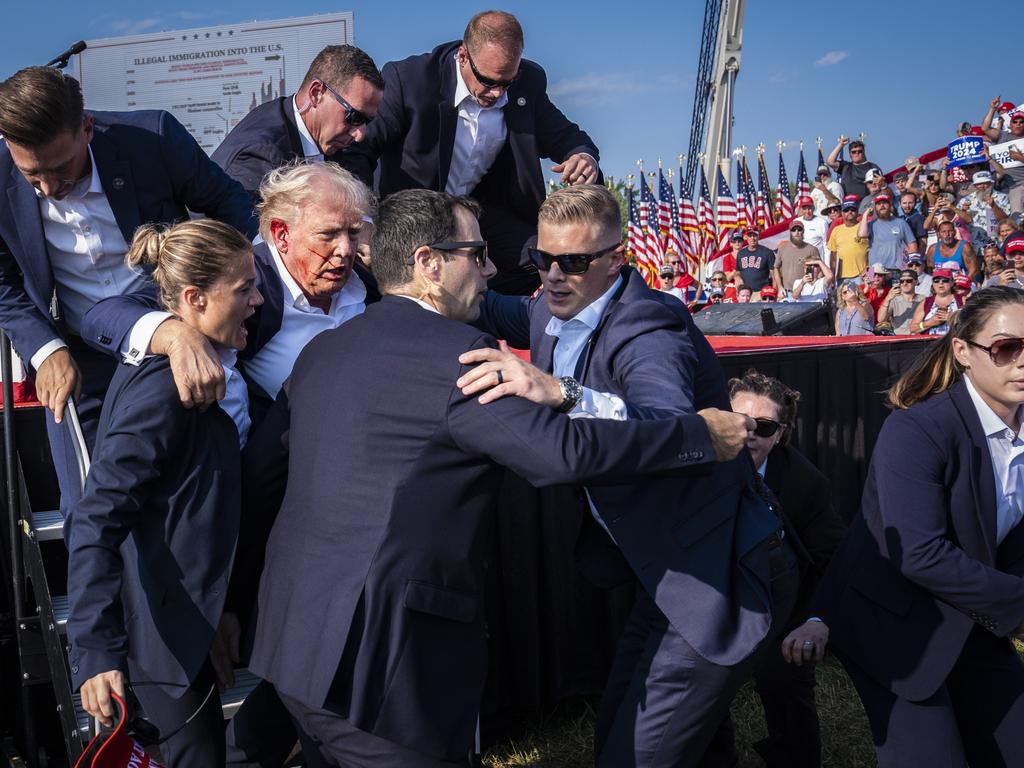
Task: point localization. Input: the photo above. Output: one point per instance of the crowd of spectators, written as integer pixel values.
(893, 258)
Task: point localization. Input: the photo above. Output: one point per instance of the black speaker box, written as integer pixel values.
(765, 319)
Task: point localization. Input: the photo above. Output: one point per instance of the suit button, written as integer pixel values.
(74, 669)
(105, 339)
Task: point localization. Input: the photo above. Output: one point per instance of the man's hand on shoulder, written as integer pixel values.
(57, 379)
(500, 372)
(198, 372)
(580, 168)
(729, 431)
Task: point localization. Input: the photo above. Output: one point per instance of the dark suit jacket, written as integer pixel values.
(805, 497)
(265, 139)
(414, 132)
(683, 538)
(152, 170)
(920, 567)
(152, 539)
(374, 574)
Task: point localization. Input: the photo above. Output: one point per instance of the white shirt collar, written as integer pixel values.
(991, 424)
(352, 292)
(425, 305)
(81, 188)
(590, 315)
(309, 147)
(462, 91)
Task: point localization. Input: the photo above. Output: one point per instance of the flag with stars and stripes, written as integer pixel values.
(636, 242)
(727, 217)
(688, 229)
(765, 218)
(674, 238)
(652, 231)
(750, 198)
(666, 201)
(741, 196)
(783, 205)
(706, 222)
(803, 184)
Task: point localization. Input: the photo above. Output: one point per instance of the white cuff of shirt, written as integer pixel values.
(599, 405)
(134, 349)
(44, 352)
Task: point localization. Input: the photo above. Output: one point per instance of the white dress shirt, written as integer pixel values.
(1007, 451)
(816, 234)
(573, 335)
(310, 151)
(236, 394)
(86, 250)
(480, 134)
(300, 322)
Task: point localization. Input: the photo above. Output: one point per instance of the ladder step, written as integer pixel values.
(232, 698)
(48, 526)
(61, 611)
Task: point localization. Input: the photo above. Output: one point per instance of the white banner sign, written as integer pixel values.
(208, 78)
(1001, 153)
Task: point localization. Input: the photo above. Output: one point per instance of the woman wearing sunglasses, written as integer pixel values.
(855, 317)
(787, 689)
(926, 593)
(933, 314)
(152, 539)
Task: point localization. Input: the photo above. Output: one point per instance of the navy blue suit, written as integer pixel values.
(152, 539)
(152, 170)
(694, 546)
(265, 139)
(370, 611)
(920, 599)
(414, 132)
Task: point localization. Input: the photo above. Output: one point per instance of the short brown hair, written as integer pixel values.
(582, 204)
(496, 27)
(336, 65)
(37, 104)
(785, 398)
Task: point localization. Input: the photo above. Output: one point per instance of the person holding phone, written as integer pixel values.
(897, 310)
(816, 282)
(933, 314)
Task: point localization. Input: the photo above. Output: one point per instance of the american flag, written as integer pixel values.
(688, 228)
(706, 222)
(784, 205)
(675, 235)
(764, 195)
(803, 184)
(749, 212)
(728, 220)
(652, 230)
(636, 243)
(666, 197)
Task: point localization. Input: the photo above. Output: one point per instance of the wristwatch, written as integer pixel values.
(572, 391)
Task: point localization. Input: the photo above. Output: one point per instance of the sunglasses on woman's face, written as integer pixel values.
(1002, 351)
(766, 427)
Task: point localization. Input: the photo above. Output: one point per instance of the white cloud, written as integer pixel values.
(830, 58)
(135, 26)
(595, 89)
(778, 77)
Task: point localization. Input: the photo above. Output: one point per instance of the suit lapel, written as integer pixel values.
(118, 185)
(24, 210)
(447, 116)
(983, 484)
(294, 138)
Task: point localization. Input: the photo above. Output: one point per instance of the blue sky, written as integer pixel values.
(903, 75)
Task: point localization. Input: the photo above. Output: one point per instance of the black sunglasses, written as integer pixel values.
(569, 263)
(941, 280)
(766, 427)
(490, 82)
(353, 116)
(908, 280)
(1002, 351)
(479, 249)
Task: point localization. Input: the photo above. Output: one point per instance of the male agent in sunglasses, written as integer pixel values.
(337, 100)
(630, 352)
(473, 117)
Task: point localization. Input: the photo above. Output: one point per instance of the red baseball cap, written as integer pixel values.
(1007, 106)
(116, 748)
(883, 196)
(805, 200)
(769, 290)
(1015, 245)
(946, 273)
(751, 231)
(962, 281)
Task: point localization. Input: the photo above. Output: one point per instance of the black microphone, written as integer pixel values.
(62, 61)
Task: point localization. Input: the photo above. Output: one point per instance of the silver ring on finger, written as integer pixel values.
(501, 377)
(808, 642)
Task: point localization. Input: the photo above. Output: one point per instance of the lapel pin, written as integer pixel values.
(118, 182)
(521, 101)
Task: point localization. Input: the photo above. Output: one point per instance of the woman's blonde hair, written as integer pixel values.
(937, 369)
(197, 252)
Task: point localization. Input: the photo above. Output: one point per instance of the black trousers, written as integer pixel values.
(197, 743)
(976, 718)
(664, 701)
(261, 734)
(328, 739)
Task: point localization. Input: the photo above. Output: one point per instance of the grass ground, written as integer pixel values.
(562, 738)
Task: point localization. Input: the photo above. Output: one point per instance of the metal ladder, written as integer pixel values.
(37, 552)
